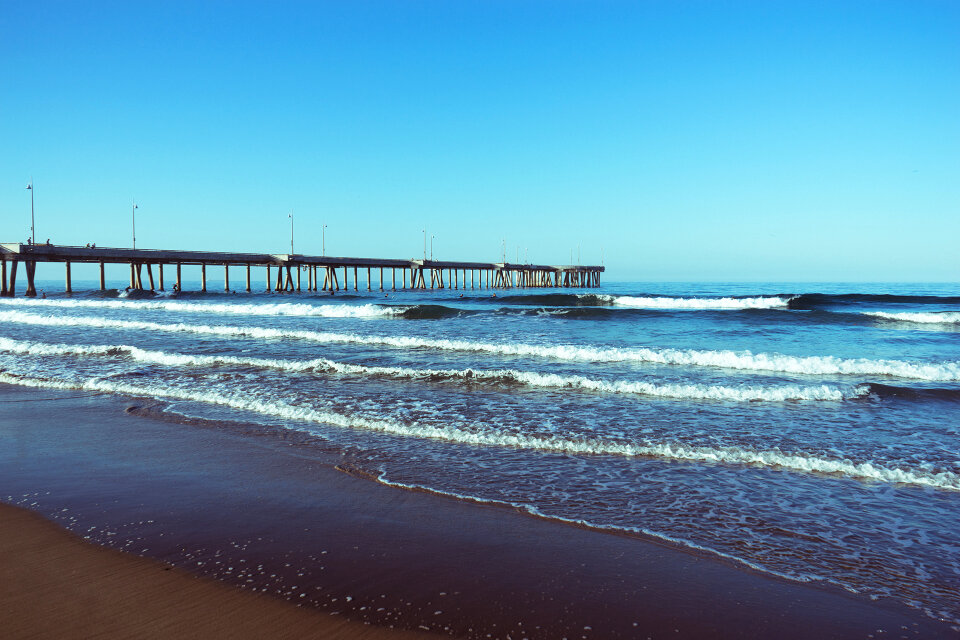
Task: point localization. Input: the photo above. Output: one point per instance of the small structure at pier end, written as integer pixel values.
(287, 272)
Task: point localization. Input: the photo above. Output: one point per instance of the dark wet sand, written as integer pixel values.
(268, 512)
(55, 585)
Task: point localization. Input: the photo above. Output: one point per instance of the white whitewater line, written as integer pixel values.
(741, 360)
(763, 302)
(779, 393)
(274, 309)
(943, 317)
(481, 436)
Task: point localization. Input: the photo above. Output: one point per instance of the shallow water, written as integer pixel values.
(805, 430)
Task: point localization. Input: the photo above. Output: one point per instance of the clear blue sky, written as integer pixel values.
(689, 140)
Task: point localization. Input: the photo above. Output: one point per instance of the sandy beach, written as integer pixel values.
(261, 512)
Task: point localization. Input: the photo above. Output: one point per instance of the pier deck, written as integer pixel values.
(289, 270)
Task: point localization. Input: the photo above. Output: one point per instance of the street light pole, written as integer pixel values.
(291, 231)
(133, 219)
(424, 244)
(431, 246)
(323, 240)
(33, 235)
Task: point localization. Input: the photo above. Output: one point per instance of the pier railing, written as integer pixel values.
(287, 272)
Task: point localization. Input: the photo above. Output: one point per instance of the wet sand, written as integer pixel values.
(55, 585)
(267, 511)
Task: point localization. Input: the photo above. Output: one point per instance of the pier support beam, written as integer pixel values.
(150, 275)
(268, 277)
(248, 278)
(31, 268)
(179, 281)
(226, 278)
(203, 277)
(69, 287)
(160, 274)
(12, 289)
(3, 278)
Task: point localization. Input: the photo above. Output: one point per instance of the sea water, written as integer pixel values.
(810, 431)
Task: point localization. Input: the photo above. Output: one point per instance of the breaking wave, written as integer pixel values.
(647, 302)
(764, 302)
(942, 317)
(740, 360)
(276, 309)
(745, 393)
(485, 436)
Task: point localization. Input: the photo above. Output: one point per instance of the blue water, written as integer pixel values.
(807, 430)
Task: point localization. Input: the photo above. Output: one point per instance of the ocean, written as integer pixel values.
(809, 431)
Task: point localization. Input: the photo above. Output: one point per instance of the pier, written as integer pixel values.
(288, 272)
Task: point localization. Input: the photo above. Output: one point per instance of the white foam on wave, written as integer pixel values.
(942, 317)
(745, 393)
(274, 309)
(764, 302)
(740, 360)
(481, 435)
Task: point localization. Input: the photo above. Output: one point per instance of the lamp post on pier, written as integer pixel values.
(424, 244)
(133, 219)
(323, 241)
(290, 215)
(431, 247)
(33, 235)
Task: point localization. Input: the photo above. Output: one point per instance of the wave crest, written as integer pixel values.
(740, 360)
(299, 309)
(941, 317)
(744, 393)
(485, 436)
(764, 302)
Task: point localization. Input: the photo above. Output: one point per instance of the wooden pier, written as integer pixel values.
(290, 272)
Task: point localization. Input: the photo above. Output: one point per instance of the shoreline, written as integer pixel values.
(193, 496)
(100, 592)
